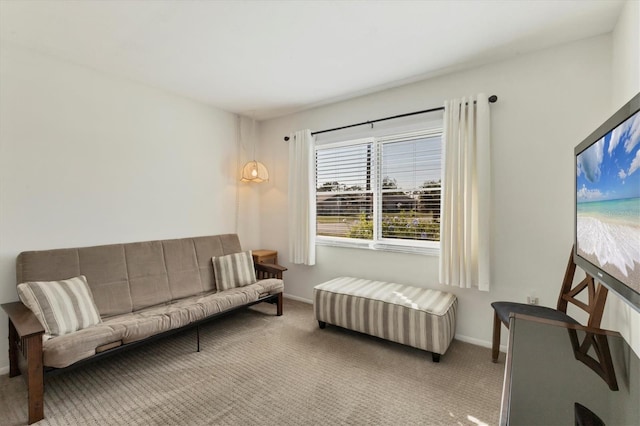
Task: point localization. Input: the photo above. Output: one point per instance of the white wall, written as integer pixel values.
(89, 159)
(625, 85)
(548, 102)
(626, 55)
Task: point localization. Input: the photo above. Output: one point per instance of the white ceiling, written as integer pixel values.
(269, 58)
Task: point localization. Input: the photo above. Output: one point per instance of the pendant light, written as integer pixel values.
(254, 171)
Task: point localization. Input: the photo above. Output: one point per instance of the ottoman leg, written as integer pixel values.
(322, 324)
(435, 357)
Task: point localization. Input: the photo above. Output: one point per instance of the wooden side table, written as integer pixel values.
(265, 256)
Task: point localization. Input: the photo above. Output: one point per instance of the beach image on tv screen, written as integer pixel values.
(608, 203)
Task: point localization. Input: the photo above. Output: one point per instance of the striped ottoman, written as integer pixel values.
(418, 317)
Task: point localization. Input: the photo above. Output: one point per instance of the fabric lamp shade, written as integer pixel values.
(254, 171)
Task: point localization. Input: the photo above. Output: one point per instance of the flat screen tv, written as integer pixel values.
(607, 203)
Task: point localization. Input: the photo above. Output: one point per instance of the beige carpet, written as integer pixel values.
(256, 368)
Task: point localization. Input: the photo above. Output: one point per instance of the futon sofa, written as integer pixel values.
(104, 299)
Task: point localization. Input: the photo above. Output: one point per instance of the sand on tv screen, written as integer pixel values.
(608, 203)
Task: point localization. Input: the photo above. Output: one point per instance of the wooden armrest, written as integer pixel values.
(269, 270)
(270, 267)
(25, 322)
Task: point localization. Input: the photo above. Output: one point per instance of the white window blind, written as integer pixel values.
(383, 191)
(344, 189)
(410, 170)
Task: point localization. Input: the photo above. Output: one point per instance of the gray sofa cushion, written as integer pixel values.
(148, 280)
(106, 270)
(270, 285)
(182, 268)
(206, 248)
(228, 299)
(157, 319)
(64, 350)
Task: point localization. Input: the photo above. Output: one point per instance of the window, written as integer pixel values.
(380, 192)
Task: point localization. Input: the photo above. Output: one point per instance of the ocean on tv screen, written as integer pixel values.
(608, 203)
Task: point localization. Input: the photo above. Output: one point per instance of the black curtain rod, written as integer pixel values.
(492, 99)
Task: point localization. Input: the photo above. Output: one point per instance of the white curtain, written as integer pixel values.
(302, 201)
(466, 194)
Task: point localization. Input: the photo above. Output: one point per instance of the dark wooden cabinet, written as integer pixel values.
(552, 366)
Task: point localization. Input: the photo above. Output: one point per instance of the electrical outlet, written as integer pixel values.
(532, 300)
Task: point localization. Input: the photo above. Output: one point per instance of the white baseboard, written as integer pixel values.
(4, 370)
(478, 342)
(299, 299)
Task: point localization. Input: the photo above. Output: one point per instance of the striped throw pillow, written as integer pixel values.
(61, 306)
(234, 270)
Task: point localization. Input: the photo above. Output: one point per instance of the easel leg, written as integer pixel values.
(495, 346)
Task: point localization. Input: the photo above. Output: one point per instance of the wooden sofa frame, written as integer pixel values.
(25, 342)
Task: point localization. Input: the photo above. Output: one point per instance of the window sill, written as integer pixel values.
(379, 246)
